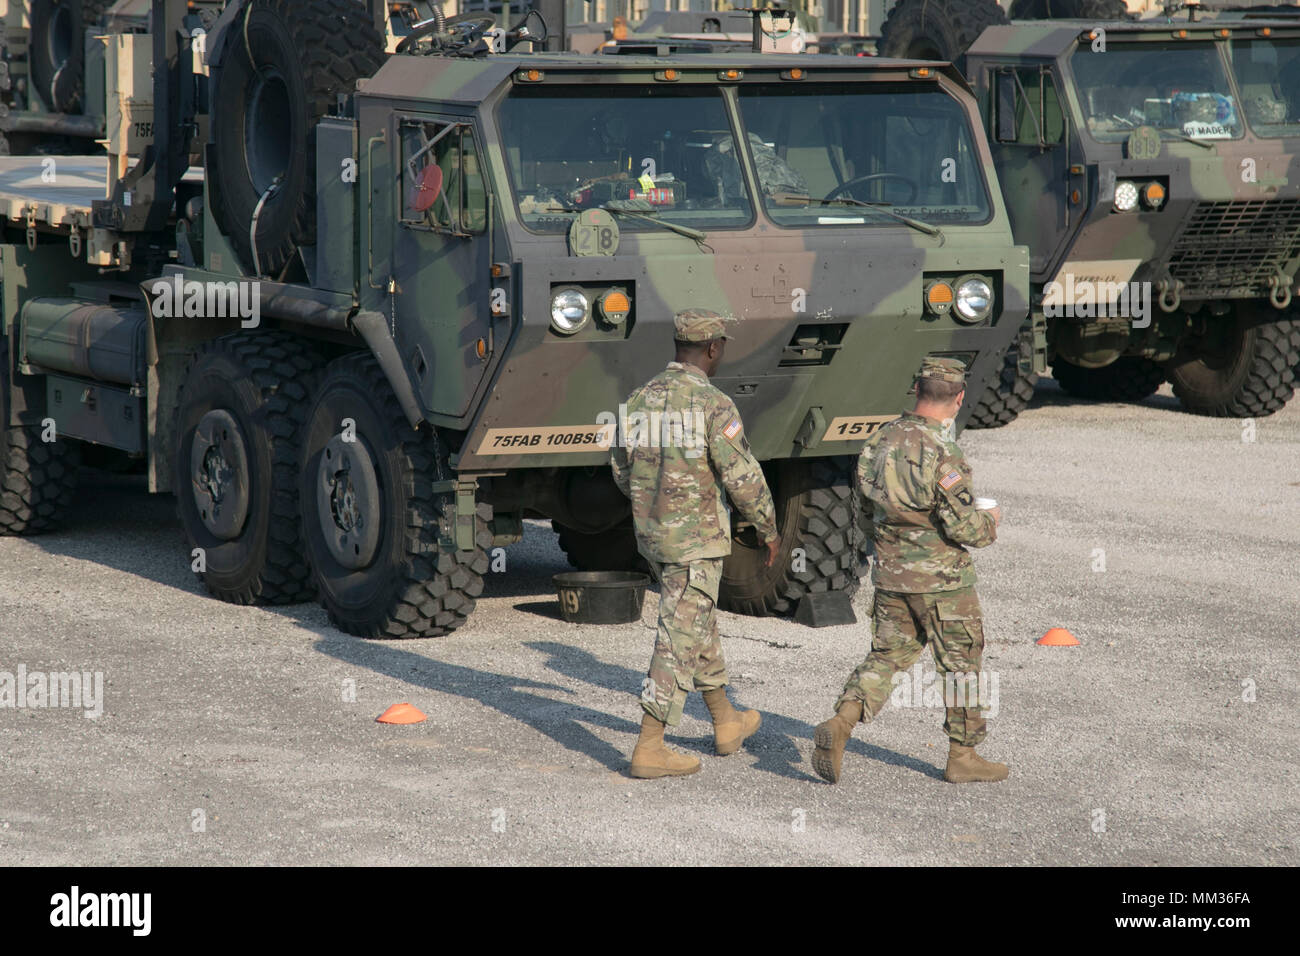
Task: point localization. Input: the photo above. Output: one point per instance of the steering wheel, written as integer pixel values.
(847, 186)
(462, 28)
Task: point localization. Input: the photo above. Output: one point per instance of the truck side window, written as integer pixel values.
(1028, 105)
(452, 199)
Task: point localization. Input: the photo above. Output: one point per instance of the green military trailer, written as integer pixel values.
(1153, 169)
(391, 306)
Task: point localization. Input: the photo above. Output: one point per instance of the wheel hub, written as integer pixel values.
(219, 474)
(348, 502)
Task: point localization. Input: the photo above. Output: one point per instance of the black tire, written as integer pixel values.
(304, 53)
(936, 29)
(1128, 379)
(612, 550)
(1069, 10)
(37, 478)
(57, 50)
(1011, 392)
(263, 381)
(410, 581)
(815, 511)
(1251, 374)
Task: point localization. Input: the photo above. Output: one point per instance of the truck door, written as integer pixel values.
(441, 259)
(1030, 138)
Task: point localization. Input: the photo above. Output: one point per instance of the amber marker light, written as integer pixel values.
(730, 74)
(615, 306)
(795, 74)
(481, 348)
(668, 75)
(938, 297)
(1153, 194)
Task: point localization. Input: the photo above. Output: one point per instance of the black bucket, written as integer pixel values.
(601, 597)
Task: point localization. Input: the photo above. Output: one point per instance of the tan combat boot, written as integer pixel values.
(966, 766)
(731, 727)
(831, 737)
(652, 759)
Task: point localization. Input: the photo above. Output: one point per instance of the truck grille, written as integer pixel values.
(1232, 248)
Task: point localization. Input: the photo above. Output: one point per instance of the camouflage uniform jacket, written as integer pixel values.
(682, 443)
(923, 513)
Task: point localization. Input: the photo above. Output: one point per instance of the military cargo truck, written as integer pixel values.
(391, 306)
(1155, 153)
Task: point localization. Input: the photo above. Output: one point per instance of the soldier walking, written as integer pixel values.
(685, 447)
(918, 485)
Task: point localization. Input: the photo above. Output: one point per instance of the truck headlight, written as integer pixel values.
(974, 300)
(569, 311)
(1126, 196)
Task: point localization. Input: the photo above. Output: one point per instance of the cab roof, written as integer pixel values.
(1051, 38)
(465, 80)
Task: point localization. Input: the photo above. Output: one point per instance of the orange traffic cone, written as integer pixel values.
(1058, 637)
(401, 714)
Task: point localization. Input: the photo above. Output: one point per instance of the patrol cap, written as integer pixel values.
(699, 325)
(943, 370)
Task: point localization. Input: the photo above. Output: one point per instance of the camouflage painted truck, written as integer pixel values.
(390, 308)
(1158, 153)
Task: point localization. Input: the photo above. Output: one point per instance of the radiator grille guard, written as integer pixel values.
(1233, 248)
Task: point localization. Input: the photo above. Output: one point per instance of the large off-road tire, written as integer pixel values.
(1243, 368)
(379, 534)
(612, 550)
(815, 512)
(37, 478)
(1010, 393)
(1095, 10)
(1127, 379)
(57, 50)
(242, 409)
(266, 107)
(936, 29)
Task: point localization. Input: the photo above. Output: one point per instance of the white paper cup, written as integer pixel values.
(985, 504)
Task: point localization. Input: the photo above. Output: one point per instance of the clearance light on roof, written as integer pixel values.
(620, 28)
(795, 74)
(529, 76)
(1180, 34)
(668, 75)
(921, 73)
(730, 74)
(1265, 31)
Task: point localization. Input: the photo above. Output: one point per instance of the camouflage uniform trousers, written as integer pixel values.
(688, 653)
(951, 622)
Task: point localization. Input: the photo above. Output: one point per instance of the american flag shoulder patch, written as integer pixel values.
(950, 479)
(733, 428)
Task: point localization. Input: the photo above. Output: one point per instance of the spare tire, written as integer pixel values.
(57, 50)
(284, 64)
(1069, 10)
(936, 29)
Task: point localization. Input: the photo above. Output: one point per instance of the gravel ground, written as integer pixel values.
(229, 735)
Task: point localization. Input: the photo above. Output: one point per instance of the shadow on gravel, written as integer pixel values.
(773, 745)
(561, 721)
(1048, 394)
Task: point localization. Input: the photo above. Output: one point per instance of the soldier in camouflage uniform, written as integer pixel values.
(683, 445)
(918, 485)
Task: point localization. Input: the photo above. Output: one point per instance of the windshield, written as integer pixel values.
(1268, 76)
(904, 146)
(1175, 86)
(667, 152)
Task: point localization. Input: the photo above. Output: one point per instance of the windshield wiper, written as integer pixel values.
(916, 224)
(621, 210)
(1161, 130)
